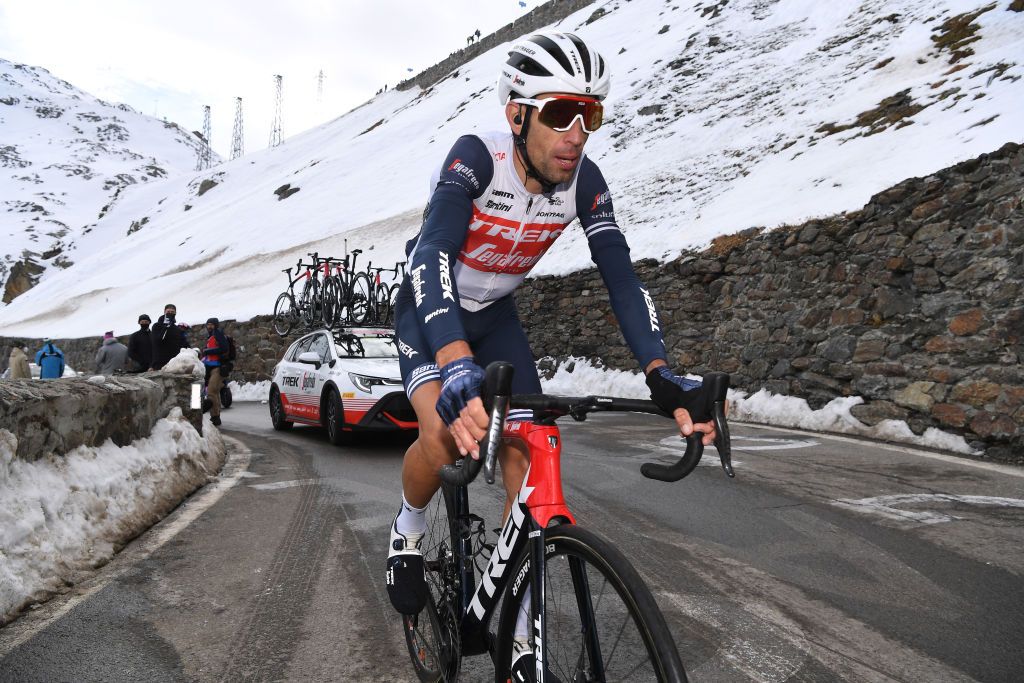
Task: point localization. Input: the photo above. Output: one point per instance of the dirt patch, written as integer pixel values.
(893, 110)
(724, 244)
(957, 33)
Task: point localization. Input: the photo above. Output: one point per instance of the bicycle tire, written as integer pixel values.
(607, 573)
(392, 298)
(331, 298)
(359, 299)
(432, 636)
(381, 304)
(309, 303)
(284, 314)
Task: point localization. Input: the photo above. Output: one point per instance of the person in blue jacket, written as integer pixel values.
(50, 360)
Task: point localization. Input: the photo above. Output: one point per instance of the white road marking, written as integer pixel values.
(885, 506)
(277, 485)
(950, 459)
(189, 511)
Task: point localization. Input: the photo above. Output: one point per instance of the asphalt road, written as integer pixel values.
(824, 560)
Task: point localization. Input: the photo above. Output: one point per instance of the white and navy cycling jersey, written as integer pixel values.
(483, 232)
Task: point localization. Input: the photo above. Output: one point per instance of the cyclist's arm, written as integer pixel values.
(466, 172)
(633, 306)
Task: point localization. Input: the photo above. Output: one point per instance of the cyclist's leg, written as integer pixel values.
(502, 338)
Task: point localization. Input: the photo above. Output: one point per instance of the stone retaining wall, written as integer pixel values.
(56, 416)
(541, 16)
(915, 303)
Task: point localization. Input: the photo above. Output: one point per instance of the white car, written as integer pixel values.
(342, 381)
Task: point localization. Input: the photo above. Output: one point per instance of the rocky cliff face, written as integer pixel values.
(65, 158)
(915, 303)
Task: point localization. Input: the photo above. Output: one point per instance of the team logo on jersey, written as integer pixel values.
(446, 277)
(434, 314)
(501, 193)
(417, 283)
(602, 198)
(550, 214)
(406, 349)
(650, 310)
(464, 171)
(497, 206)
(496, 244)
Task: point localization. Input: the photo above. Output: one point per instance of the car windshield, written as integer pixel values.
(366, 346)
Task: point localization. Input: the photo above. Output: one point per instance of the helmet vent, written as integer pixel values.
(552, 48)
(584, 54)
(527, 65)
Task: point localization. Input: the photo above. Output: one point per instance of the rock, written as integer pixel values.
(916, 396)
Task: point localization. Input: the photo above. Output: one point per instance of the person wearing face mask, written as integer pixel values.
(18, 367)
(167, 339)
(140, 346)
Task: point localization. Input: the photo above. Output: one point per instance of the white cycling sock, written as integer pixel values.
(523, 618)
(411, 520)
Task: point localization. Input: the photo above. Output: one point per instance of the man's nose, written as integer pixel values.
(576, 135)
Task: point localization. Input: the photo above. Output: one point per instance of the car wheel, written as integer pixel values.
(277, 417)
(334, 418)
(225, 397)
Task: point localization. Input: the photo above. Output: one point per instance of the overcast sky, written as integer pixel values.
(170, 58)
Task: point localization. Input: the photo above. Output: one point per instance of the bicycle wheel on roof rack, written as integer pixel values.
(359, 299)
(602, 623)
(331, 297)
(285, 315)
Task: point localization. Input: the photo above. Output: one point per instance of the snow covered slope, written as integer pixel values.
(724, 114)
(64, 157)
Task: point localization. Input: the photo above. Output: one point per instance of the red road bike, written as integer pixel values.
(591, 616)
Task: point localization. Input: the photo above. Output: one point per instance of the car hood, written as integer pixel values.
(373, 367)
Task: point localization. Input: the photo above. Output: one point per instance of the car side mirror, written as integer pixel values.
(310, 358)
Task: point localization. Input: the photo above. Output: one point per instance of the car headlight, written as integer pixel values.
(366, 382)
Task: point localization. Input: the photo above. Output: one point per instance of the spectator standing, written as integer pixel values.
(50, 360)
(167, 338)
(214, 356)
(112, 355)
(19, 362)
(140, 347)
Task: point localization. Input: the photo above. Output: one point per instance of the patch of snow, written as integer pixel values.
(250, 391)
(60, 516)
(186, 363)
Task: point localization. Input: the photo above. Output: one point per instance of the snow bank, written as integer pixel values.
(763, 407)
(250, 391)
(60, 516)
(186, 362)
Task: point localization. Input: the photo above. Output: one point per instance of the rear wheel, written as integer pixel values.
(359, 299)
(225, 397)
(285, 315)
(602, 622)
(277, 416)
(432, 636)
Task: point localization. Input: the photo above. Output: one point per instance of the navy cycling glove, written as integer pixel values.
(670, 391)
(460, 382)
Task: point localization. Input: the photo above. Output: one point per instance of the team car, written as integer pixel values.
(344, 381)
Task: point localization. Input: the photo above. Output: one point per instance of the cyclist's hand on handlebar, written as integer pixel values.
(685, 399)
(459, 404)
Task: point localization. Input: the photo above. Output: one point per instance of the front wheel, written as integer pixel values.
(602, 623)
(277, 415)
(334, 417)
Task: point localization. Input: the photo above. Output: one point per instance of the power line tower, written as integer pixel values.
(236, 134)
(203, 160)
(320, 87)
(275, 128)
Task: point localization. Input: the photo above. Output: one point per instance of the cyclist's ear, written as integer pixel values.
(514, 115)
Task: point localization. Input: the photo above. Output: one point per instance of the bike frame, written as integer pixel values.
(539, 504)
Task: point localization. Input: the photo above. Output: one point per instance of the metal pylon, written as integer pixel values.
(236, 135)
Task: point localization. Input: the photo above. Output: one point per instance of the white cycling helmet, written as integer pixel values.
(553, 62)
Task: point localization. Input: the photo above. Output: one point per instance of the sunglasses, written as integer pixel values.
(560, 113)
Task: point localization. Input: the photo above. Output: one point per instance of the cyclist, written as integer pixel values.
(497, 204)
